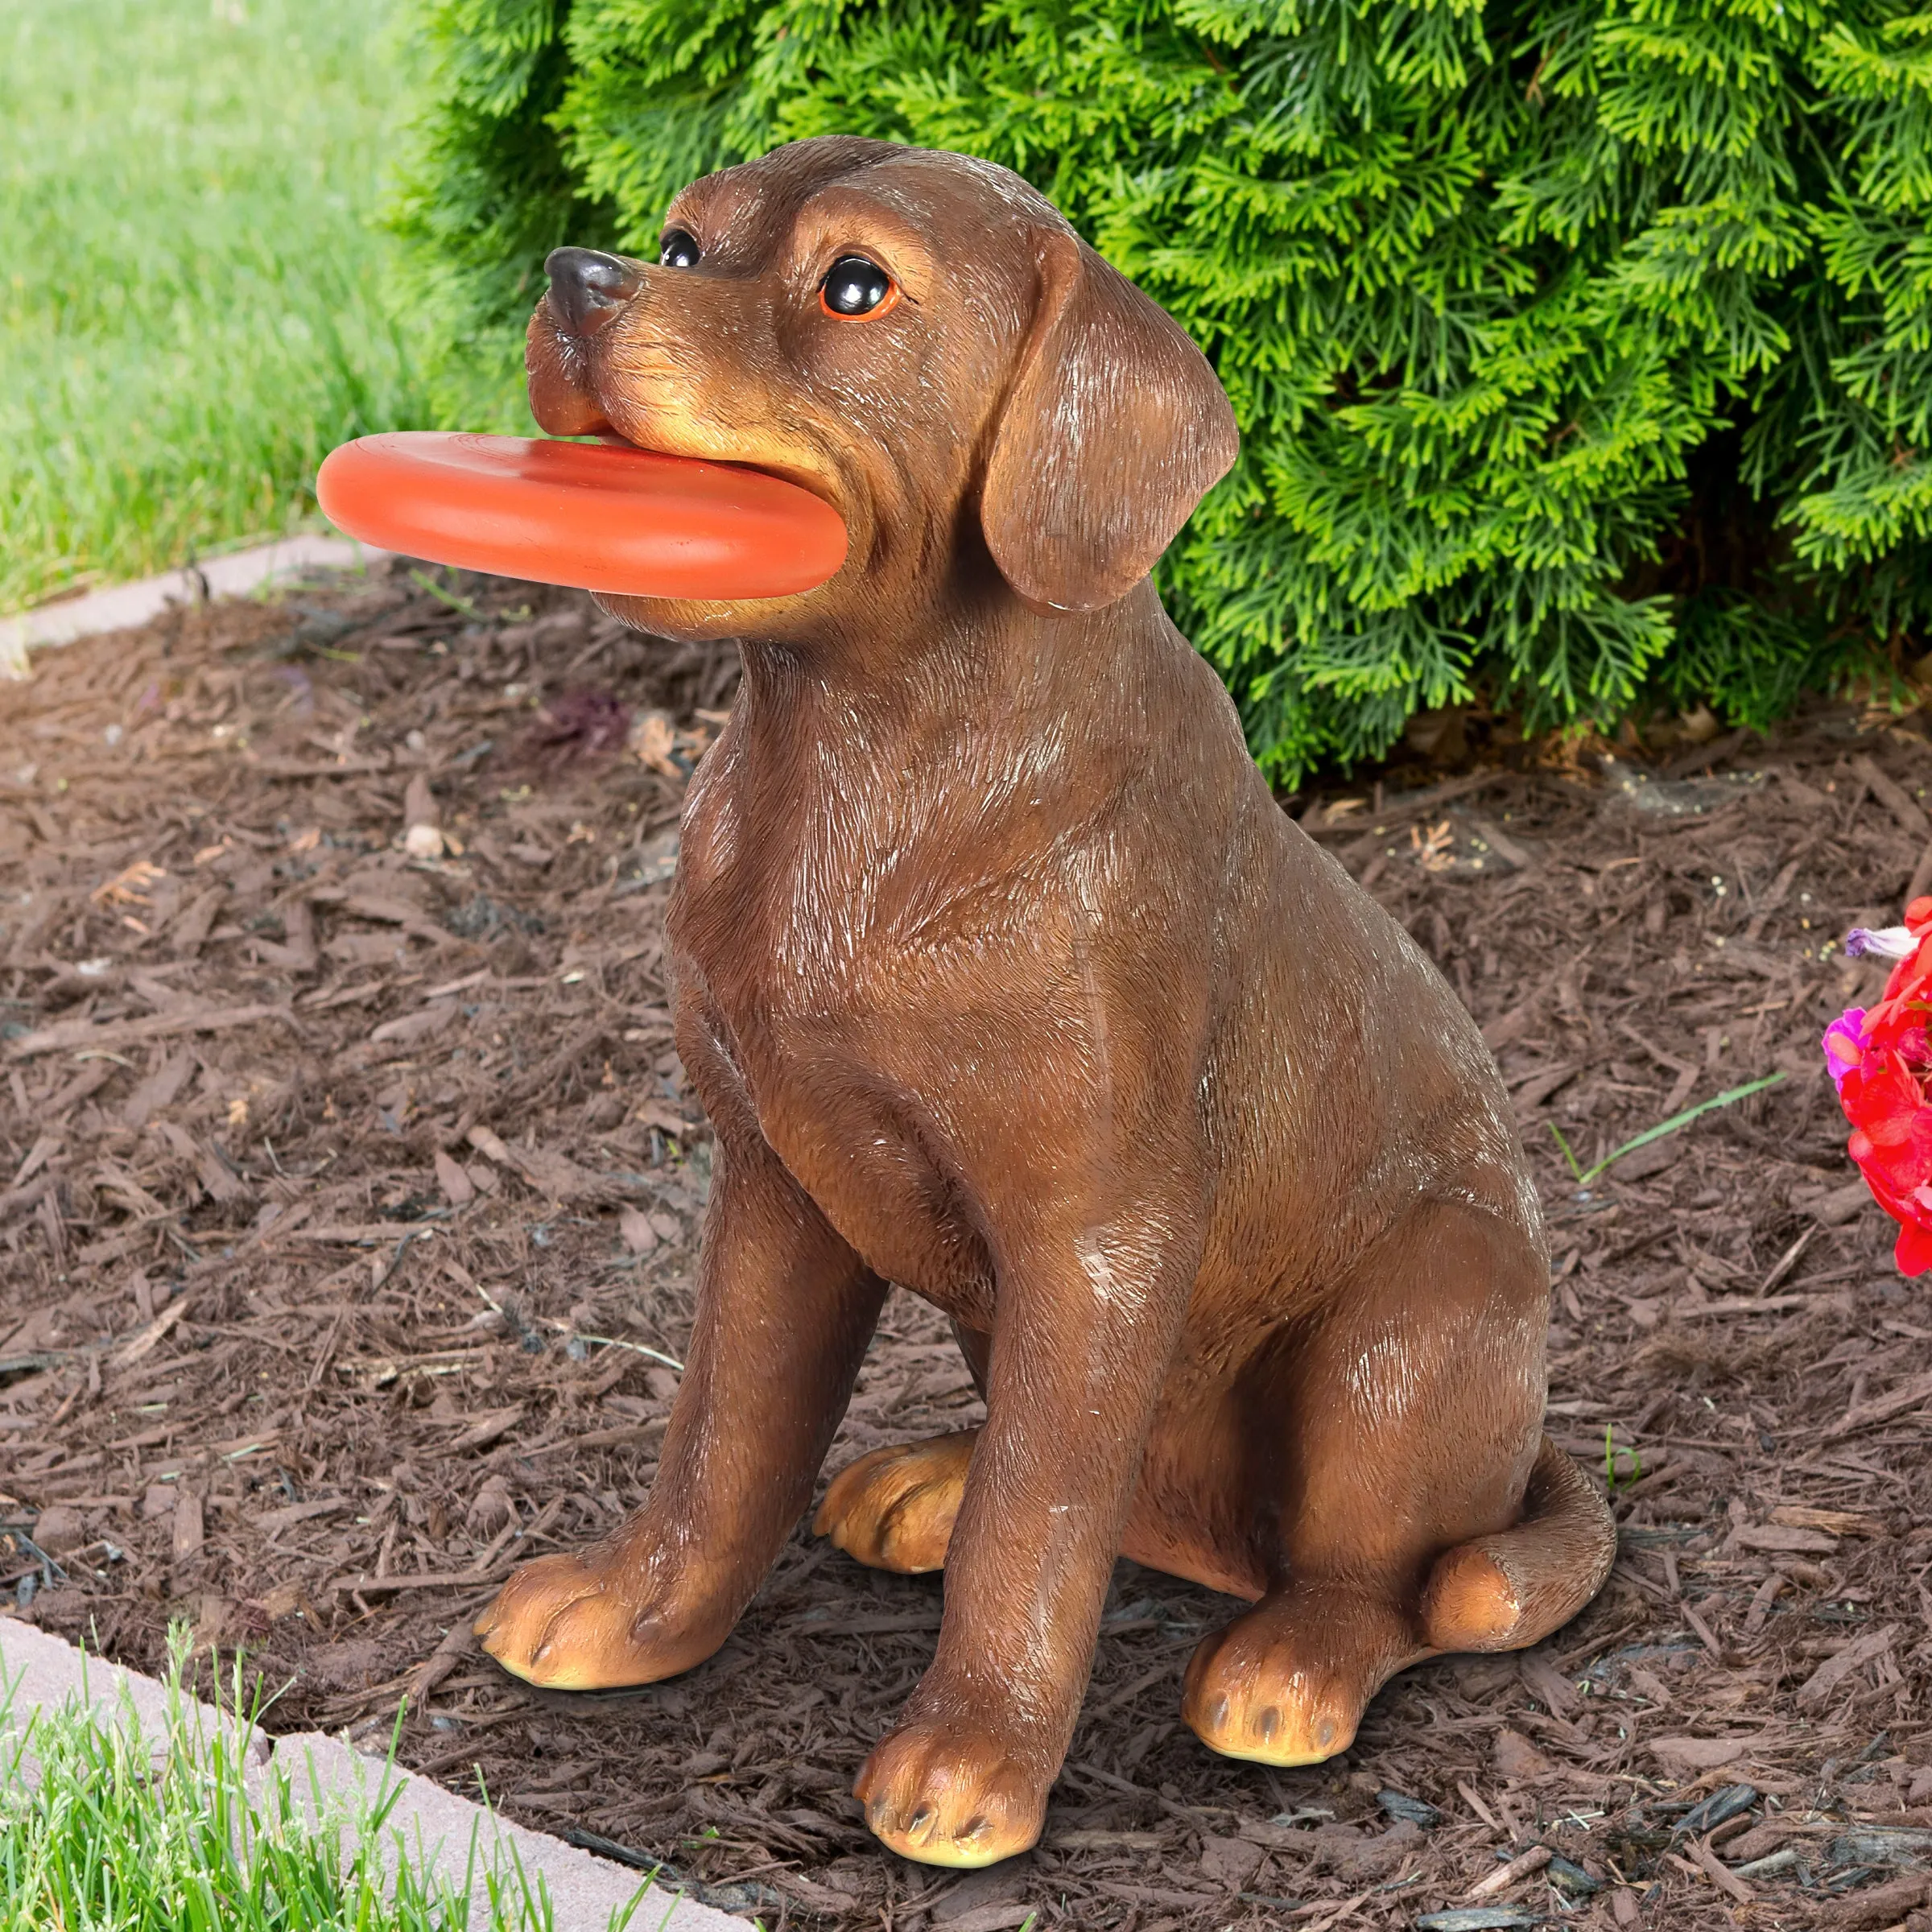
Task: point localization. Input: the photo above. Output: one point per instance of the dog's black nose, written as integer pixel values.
(586, 288)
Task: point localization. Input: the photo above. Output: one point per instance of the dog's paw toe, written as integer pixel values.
(947, 1794)
(893, 1509)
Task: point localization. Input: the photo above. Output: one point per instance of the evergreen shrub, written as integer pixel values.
(1582, 348)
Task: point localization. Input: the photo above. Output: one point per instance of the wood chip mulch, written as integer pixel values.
(348, 1188)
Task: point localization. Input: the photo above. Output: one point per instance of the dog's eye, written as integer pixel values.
(679, 249)
(855, 287)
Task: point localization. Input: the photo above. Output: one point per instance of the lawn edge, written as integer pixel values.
(120, 606)
(45, 1672)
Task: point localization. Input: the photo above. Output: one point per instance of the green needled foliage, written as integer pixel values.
(1582, 348)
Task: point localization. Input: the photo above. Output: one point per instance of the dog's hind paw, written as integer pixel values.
(1287, 1682)
(893, 1509)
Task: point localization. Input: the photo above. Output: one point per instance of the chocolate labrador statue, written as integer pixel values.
(1001, 975)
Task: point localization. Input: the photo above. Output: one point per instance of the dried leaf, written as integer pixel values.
(456, 1186)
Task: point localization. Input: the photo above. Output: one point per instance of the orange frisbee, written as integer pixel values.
(625, 520)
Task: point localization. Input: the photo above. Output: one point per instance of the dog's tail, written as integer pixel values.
(1509, 1590)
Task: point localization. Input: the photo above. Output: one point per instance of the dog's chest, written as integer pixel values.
(834, 1032)
(855, 1142)
(850, 1149)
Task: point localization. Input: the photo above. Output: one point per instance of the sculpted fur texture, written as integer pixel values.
(1001, 976)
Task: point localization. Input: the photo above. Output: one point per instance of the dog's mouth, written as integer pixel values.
(820, 485)
(647, 402)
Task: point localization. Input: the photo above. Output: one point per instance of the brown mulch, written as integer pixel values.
(348, 1197)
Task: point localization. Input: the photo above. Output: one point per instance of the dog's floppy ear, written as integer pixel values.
(1113, 429)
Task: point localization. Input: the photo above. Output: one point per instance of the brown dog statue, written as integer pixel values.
(1001, 975)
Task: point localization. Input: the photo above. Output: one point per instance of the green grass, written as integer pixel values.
(191, 309)
(101, 1837)
(1584, 1175)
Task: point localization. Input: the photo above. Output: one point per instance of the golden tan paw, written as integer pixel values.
(1287, 1683)
(893, 1509)
(945, 1793)
(1471, 1604)
(568, 1623)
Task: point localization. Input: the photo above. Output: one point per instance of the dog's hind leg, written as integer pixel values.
(1396, 1442)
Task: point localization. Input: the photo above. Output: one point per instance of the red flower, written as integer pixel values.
(1882, 1063)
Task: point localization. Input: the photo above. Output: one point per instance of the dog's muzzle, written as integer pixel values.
(588, 287)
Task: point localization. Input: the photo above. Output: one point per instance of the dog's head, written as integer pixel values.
(920, 339)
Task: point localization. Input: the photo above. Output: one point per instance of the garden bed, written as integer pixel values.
(347, 1219)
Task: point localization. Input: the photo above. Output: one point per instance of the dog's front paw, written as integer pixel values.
(570, 1623)
(946, 1792)
(1287, 1682)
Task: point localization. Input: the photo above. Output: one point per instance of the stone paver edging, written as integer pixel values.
(121, 605)
(43, 1671)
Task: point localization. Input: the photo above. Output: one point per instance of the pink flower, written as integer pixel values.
(1846, 1043)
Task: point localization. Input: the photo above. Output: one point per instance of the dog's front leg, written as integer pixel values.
(785, 1309)
(1086, 1320)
